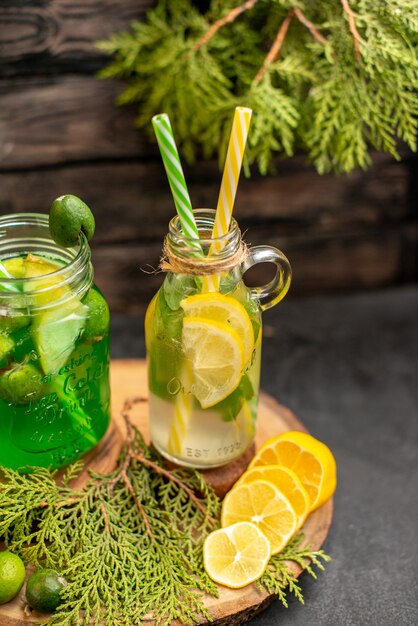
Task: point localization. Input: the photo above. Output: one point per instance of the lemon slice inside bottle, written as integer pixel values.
(215, 352)
(225, 309)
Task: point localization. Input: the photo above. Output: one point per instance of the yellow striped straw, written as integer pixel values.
(182, 412)
(229, 185)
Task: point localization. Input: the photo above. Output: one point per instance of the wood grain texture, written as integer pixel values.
(296, 196)
(320, 264)
(69, 118)
(354, 232)
(61, 132)
(128, 379)
(55, 35)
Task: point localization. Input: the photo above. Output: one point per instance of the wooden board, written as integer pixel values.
(128, 379)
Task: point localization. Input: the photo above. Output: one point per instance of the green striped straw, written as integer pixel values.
(175, 175)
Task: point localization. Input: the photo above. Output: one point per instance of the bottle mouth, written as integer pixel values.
(28, 233)
(212, 247)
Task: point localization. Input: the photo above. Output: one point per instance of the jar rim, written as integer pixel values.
(78, 252)
(205, 218)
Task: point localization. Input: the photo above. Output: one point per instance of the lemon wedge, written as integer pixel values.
(224, 309)
(216, 355)
(47, 287)
(15, 266)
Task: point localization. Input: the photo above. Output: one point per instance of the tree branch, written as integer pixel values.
(275, 48)
(105, 517)
(353, 28)
(139, 505)
(310, 26)
(227, 19)
(130, 454)
(170, 476)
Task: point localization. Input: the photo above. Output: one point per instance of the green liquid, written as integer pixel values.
(50, 418)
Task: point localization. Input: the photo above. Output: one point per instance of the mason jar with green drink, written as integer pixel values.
(203, 328)
(54, 346)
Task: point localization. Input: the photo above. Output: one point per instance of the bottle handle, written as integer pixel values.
(271, 293)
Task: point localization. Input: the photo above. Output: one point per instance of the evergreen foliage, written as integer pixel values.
(329, 77)
(130, 543)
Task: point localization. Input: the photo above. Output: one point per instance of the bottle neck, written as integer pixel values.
(205, 246)
(27, 234)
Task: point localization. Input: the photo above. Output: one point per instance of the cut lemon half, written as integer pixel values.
(261, 503)
(236, 556)
(287, 482)
(216, 355)
(224, 309)
(309, 458)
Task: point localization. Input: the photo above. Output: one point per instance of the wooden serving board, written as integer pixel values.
(234, 606)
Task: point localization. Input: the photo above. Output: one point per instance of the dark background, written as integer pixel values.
(61, 132)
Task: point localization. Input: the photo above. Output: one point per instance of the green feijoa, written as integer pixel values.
(97, 322)
(21, 384)
(12, 576)
(43, 590)
(6, 346)
(68, 217)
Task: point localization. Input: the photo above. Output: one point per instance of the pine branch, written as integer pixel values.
(230, 17)
(353, 28)
(130, 544)
(310, 26)
(274, 51)
(328, 101)
(124, 550)
(279, 579)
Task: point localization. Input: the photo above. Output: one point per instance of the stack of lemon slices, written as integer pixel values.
(291, 475)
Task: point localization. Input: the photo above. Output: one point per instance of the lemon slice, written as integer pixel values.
(287, 482)
(55, 333)
(15, 266)
(216, 355)
(47, 287)
(224, 309)
(261, 503)
(236, 556)
(309, 458)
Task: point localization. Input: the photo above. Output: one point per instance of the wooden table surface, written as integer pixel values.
(347, 366)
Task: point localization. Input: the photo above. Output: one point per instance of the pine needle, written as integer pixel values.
(130, 544)
(334, 79)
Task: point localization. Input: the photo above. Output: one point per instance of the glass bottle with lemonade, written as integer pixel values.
(203, 328)
(204, 350)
